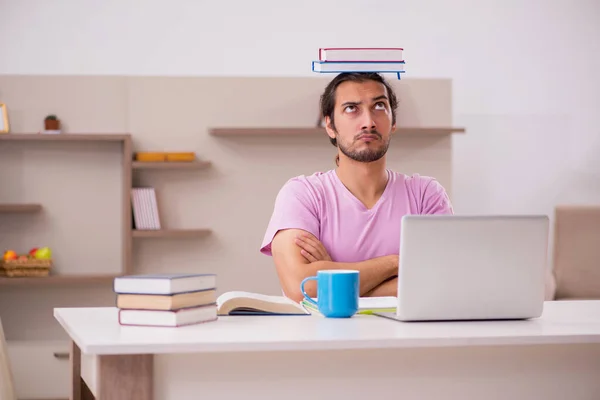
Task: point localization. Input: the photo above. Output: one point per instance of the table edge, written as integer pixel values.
(72, 336)
(186, 348)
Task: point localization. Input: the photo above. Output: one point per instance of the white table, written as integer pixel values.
(310, 357)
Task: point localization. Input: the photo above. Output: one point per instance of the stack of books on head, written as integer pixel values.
(166, 299)
(360, 59)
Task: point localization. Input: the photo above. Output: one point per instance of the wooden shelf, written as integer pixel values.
(69, 137)
(287, 131)
(171, 233)
(171, 165)
(57, 280)
(19, 208)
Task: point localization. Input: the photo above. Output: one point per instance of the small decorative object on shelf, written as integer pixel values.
(51, 125)
(165, 156)
(37, 263)
(4, 126)
(181, 157)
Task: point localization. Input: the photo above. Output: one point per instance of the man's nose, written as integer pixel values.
(368, 122)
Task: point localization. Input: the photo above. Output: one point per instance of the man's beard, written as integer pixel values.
(366, 155)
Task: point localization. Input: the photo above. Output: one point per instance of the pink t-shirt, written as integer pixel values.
(323, 206)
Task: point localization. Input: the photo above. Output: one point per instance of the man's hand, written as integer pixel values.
(311, 248)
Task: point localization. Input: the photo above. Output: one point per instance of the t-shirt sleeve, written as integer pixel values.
(435, 199)
(295, 207)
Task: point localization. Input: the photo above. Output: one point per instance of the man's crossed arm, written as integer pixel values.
(298, 254)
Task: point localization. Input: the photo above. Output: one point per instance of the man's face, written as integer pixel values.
(362, 119)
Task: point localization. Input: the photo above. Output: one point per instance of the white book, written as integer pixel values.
(154, 209)
(140, 216)
(164, 284)
(145, 208)
(172, 318)
(340, 66)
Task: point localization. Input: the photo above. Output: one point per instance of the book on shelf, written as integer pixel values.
(166, 299)
(361, 54)
(145, 208)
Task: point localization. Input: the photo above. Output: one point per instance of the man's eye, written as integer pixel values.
(380, 105)
(349, 108)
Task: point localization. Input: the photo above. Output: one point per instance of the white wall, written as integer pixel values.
(526, 82)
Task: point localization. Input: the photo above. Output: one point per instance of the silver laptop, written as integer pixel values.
(471, 267)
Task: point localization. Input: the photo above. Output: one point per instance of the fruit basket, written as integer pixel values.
(28, 267)
(35, 264)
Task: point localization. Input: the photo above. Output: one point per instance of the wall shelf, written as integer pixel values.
(171, 165)
(19, 208)
(57, 280)
(66, 137)
(171, 233)
(123, 141)
(310, 131)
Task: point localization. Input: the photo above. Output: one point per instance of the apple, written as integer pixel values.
(43, 253)
(32, 251)
(10, 255)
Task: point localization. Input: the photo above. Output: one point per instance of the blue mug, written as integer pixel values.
(337, 292)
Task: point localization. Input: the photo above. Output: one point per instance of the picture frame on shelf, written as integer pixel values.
(4, 124)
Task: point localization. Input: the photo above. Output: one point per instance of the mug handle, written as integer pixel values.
(307, 297)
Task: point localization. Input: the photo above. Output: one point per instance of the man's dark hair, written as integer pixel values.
(328, 96)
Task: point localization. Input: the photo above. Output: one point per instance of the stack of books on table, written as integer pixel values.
(360, 59)
(166, 299)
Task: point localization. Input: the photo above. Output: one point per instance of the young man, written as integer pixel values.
(349, 217)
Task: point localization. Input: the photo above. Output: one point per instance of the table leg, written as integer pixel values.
(125, 377)
(79, 389)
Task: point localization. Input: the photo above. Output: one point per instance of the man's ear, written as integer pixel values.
(329, 128)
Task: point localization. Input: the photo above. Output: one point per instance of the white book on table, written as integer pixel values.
(172, 318)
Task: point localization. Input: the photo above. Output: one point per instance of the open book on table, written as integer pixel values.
(366, 305)
(248, 303)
